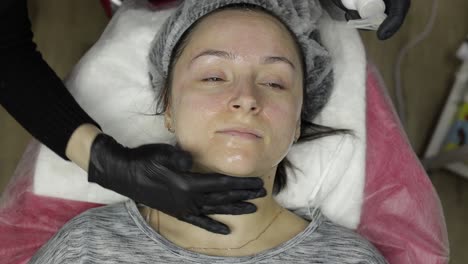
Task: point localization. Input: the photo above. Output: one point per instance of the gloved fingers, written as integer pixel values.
(181, 159)
(230, 209)
(206, 223)
(229, 197)
(396, 11)
(220, 183)
(397, 7)
(389, 27)
(167, 155)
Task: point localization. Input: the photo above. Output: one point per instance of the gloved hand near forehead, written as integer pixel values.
(396, 11)
(158, 175)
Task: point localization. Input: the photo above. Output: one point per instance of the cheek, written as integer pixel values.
(283, 116)
(192, 105)
(192, 115)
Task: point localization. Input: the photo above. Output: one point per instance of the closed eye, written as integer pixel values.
(274, 85)
(212, 79)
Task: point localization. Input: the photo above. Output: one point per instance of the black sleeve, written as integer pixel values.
(29, 89)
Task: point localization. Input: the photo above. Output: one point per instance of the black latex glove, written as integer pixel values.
(396, 11)
(158, 176)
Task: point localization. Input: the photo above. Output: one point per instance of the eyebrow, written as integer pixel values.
(230, 56)
(276, 59)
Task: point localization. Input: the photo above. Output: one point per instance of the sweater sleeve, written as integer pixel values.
(29, 89)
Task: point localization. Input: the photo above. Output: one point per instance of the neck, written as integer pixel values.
(246, 230)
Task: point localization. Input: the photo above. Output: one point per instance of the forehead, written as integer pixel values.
(244, 31)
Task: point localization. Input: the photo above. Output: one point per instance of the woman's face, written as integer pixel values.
(237, 94)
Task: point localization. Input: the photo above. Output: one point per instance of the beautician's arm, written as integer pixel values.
(79, 146)
(156, 175)
(29, 89)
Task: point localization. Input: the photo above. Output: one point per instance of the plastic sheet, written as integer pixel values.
(402, 214)
(28, 220)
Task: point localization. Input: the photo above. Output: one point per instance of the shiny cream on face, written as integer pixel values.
(237, 93)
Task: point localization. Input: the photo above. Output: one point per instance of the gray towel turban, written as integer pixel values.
(300, 16)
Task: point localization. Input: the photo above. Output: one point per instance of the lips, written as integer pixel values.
(242, 132)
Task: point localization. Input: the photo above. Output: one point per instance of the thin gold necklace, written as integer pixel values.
(148, 219)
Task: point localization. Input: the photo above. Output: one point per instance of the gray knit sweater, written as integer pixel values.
(119, 234)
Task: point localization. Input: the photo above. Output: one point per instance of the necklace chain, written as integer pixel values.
(148, 219)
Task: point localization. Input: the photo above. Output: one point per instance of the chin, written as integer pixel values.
(241, 160)
(234, 166)
(237, 171)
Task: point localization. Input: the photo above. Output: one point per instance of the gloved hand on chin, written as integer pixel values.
(158, 176)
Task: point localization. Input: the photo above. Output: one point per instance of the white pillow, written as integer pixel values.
(111, 83)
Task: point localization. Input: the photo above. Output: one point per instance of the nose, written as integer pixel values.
(246, 99)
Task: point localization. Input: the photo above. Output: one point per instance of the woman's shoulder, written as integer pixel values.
(103, 217)
(100, 211)
(105, 211)
(339, 243)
